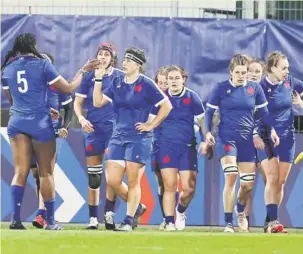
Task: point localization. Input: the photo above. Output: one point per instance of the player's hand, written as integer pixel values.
(100, 72)
(296, 98)
(258, 142)
(86, 125)
(55, 114)
(210, 140)
(91, 65)
(63, 132)
(203, 148)
(275, 138)
(143, 127)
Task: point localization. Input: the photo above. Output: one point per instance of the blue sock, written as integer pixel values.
(229, 217)
(160, 197)
(17, 196)
(109, 205)
(272, 211)
(41, 212)
(169, 219)
(181, 208)
(177, 198)
(50, 211)
(93, 210)
(240, 208)
(129, 220)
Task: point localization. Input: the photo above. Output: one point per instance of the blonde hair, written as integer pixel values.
(179, 69)
(238, 59)
(273, 59)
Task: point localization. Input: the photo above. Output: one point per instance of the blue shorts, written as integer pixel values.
(243, 149)
(38, 127)
(285, 151)
(182, 157)
(153, 158)
(96, 142)
(135, 149)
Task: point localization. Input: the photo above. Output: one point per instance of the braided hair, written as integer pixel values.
(24, 44)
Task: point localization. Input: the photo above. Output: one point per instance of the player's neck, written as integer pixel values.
(131, 78)
(177, 93)
(108, 70)
(272, 79)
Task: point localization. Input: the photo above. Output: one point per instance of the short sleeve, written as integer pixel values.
(261, 101)
(52, 75)
(154, 94)
(4, 80)
(215, 98)
(82, 90)
(198, 108)
(108, 92)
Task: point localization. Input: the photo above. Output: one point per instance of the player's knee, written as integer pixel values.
(95, 176)
(170, 186)
(189, 191)
(272, 178)
(246, 187)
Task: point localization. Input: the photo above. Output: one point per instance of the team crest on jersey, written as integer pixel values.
(251, 90)
(228, 91)
(138, 88)
(227, 148)
(89, 148)
(269, 90)
(287, 84)
(186, 101)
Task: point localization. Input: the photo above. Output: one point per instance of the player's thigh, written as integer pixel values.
(133, 172)
(170, 178)
(114, 172)
(22, 152)
(45, 152)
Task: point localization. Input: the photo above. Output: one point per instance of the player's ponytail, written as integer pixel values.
(10, 54)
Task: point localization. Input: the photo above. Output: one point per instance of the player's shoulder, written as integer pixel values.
(222, 87)
(117, 72)
(146, 80)
(264, 82)
(253, 84)
(191, 93)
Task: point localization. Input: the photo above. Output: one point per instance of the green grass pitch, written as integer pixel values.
(75, 240)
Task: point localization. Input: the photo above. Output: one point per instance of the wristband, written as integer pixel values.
(98, 79)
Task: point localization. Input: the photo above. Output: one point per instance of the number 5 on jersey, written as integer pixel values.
(23, 85)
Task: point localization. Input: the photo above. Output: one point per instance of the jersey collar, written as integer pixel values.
(231, 83)
(184, 90)
(271, 83)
